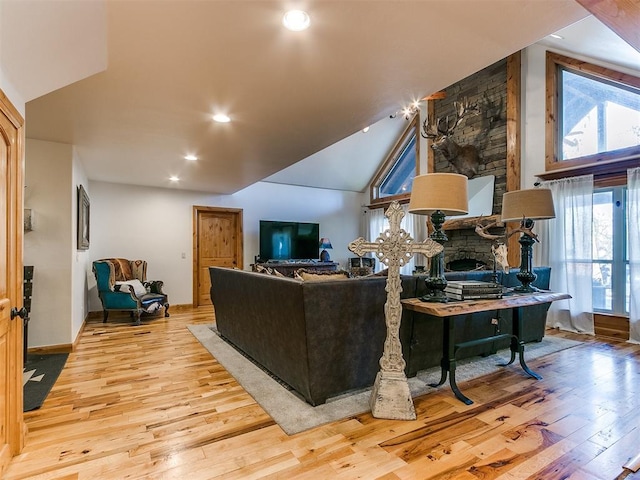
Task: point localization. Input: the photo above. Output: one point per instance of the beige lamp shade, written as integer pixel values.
(534, 203)
(446, 192)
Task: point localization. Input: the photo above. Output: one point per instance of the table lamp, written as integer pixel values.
(325, 244)
(438, 195)
(526, 206)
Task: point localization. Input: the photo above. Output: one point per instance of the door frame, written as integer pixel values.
(15, 426)
(197, 210)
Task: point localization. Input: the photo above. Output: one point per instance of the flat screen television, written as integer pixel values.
(289, 240)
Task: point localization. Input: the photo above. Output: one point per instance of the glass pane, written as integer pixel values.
(603, 225)
(597, 116)
(400, 177)
(602, 299)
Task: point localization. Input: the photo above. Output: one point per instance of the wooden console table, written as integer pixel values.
(289, 268)
(446, 311)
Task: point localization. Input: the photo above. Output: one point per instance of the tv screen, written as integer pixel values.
(289, 240)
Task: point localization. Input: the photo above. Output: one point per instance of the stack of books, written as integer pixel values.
(472, 290)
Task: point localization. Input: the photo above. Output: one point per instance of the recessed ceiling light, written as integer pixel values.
(555, 35)
(191, 157)
(221, 118)
(173, 178)
(296, 20)
(365, 129)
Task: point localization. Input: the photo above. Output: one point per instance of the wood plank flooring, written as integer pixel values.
(150, 402)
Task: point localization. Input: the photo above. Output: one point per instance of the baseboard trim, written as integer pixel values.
(80, 331)
(47, 349)
(172, 308)
(612, 326)
(70, 347)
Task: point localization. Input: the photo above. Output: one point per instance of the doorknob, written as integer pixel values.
(22, 313)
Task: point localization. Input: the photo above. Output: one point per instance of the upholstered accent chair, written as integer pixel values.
(122, 285)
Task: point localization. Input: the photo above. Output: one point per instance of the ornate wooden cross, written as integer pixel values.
(391, 397)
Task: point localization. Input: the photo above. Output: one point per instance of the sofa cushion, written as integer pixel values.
(360, 271)
(320, 276)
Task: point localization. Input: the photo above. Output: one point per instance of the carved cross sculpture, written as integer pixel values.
(391, 397)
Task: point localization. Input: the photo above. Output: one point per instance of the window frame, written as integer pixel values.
(619, 260)
(599, 163)
(413, 129)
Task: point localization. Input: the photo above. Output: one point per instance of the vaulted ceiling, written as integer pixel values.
(290, 95)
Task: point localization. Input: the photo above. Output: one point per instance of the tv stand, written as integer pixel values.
(288, 268)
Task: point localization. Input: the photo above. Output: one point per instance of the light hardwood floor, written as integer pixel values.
(151, 402)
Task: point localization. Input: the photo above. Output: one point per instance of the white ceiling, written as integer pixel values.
(172, 64)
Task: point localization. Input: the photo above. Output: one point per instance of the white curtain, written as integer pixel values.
(567, 247)
(633, 242)
(414, 225)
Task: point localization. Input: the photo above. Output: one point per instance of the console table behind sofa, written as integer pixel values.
(423, 345)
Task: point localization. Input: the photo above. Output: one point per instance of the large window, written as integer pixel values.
(394, 179)
(596, 116)
(593, 114)
(610, 252)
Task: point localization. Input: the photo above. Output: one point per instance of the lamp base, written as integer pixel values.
(526, 275)
(437, 296)
(324, 256)
(525, 289)
(436, 282)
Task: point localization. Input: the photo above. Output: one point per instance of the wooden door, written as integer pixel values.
(11, 150)
(217, 243)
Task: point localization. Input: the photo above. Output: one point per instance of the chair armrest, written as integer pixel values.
(155, 286)
(119, 300)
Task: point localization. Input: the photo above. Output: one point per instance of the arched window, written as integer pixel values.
(394, 179)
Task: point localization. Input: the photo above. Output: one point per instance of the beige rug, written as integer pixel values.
(295, 415)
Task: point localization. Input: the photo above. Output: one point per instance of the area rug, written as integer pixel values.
(38, 376)
(294, 415)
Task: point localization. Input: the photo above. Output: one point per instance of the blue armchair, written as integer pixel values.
(122, 285)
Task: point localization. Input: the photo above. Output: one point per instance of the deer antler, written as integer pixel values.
(483, 230)
(463, 110)
(432, 127)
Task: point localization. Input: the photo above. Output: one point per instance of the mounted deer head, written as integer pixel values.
(465, 159)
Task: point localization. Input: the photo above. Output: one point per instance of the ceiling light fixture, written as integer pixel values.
(221, 118)
(191, 158)
(365, 129)
(409, 111)
(296, 20)
(555, 35)
(173, 178)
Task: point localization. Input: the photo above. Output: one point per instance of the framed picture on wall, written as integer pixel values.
(83, 219)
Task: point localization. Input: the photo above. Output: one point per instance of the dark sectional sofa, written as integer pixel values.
(323, 338)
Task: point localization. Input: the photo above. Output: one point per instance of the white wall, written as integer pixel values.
(80, 260)
(156, 225)
(48, 177)
(533, 115)
(6, 85)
